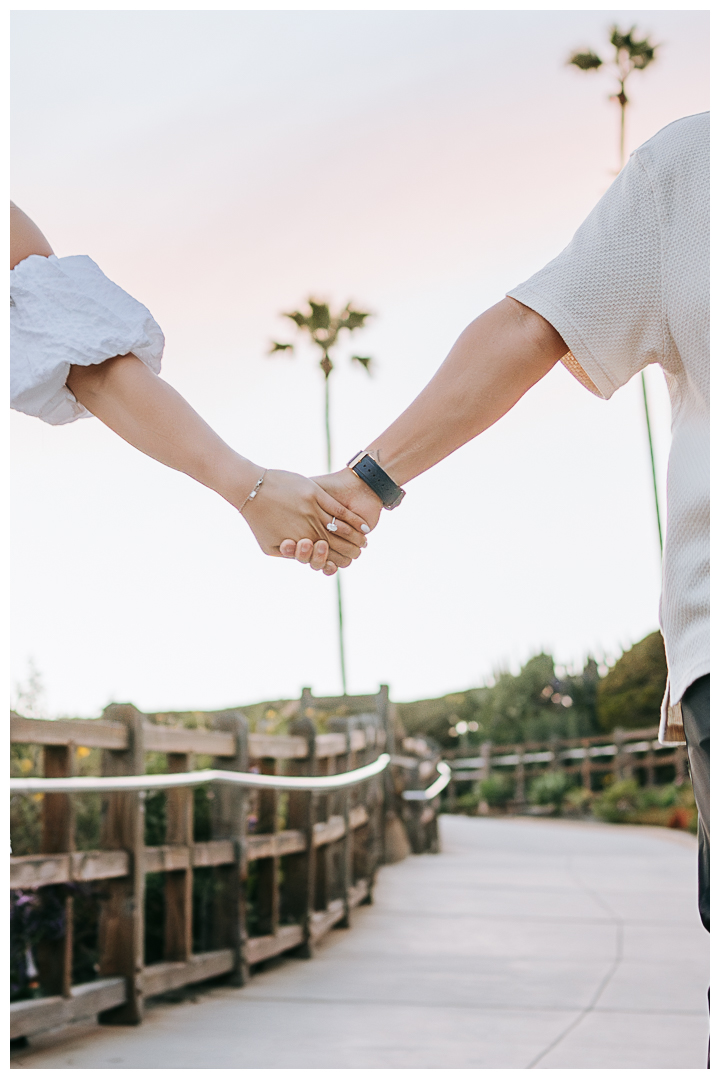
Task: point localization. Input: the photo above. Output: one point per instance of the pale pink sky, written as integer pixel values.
(420, 163)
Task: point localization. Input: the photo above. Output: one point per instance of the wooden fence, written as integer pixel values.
(621, 756)
(316, 855)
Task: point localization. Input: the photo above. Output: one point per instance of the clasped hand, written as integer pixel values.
(291, 513)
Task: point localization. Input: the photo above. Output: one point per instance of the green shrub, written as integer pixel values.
(497, 790)
(618, 801)
(658, 796)
(578, 799)
(468, 803)
(550, 789)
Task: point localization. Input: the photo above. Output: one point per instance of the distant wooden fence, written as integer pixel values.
(620, 755)
(311, 873)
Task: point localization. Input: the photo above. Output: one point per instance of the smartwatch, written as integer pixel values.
(376, 479)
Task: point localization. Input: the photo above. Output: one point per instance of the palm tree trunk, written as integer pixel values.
(621, 99)
(652, 463)
(341, 632)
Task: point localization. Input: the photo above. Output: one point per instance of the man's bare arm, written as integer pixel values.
(496, 360)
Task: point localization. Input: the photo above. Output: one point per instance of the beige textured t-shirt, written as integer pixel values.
(632, 289)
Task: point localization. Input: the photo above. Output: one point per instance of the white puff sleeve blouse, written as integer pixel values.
(63, 312)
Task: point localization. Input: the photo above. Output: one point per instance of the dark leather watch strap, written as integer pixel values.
(377, 480)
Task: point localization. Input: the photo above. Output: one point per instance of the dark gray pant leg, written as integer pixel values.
(696, 719)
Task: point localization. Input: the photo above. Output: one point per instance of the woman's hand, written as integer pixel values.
(289, 509)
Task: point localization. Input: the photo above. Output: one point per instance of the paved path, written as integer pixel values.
(525, 944)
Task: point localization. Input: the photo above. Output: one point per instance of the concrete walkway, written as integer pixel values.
(525, 944)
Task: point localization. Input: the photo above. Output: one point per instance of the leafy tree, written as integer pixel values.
(324, 328)
(631, 693)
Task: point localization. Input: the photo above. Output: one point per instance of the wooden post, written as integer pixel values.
(268, 888)
(680, 763)
(229, 822)
(621, 765)
(520, 775)
(389, 812)
(179, 883)
(345, 763)
(121, 934)
(585, 770)
(649, 763)
(299, 869)
(54, 958)
(364, 795)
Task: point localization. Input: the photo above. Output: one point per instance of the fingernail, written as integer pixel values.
(365, 528)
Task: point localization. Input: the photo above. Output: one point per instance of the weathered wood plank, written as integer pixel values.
(325, 832)
(167, 858)
(267, 845)
(322, 921)
(213, 853)
(358, 892)
(189, 741)
(331, 745)
(358, 739)
(85, 1001)
(32, 871)
(262, 948)
(358, 816)
(277, 746)
(171, 975)
(94, 733)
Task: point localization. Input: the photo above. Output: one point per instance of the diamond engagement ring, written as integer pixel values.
(331, 526)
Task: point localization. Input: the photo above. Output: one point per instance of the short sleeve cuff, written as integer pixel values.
(560, 320)
(66, 312)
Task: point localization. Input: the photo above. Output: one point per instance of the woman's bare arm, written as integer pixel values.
(149, 414)
(25, 237)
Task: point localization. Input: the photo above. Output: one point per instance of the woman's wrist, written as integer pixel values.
(236, 479)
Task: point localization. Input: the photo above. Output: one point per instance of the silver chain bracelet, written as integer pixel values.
(253, 493)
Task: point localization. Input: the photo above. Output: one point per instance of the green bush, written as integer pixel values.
(497, 790)
(658, 796)
(618, 801)
(468, 803)
(550, 789)
(578, 799)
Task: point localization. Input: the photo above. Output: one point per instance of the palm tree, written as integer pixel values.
(631, 54)
(324, 328)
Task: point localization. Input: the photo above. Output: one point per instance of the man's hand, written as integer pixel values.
(353, 493)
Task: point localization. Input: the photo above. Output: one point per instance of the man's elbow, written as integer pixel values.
(539, 333)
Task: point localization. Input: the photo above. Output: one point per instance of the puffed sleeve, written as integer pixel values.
(64, 312)
(603, 293)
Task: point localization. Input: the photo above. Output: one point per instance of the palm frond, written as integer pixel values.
(278, 346)
(320, 316)
(586, 61)
(297, 317)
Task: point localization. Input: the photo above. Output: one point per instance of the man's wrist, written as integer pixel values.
(366, 466)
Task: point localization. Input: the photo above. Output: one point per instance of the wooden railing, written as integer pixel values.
(620, 755)
(315, 854)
